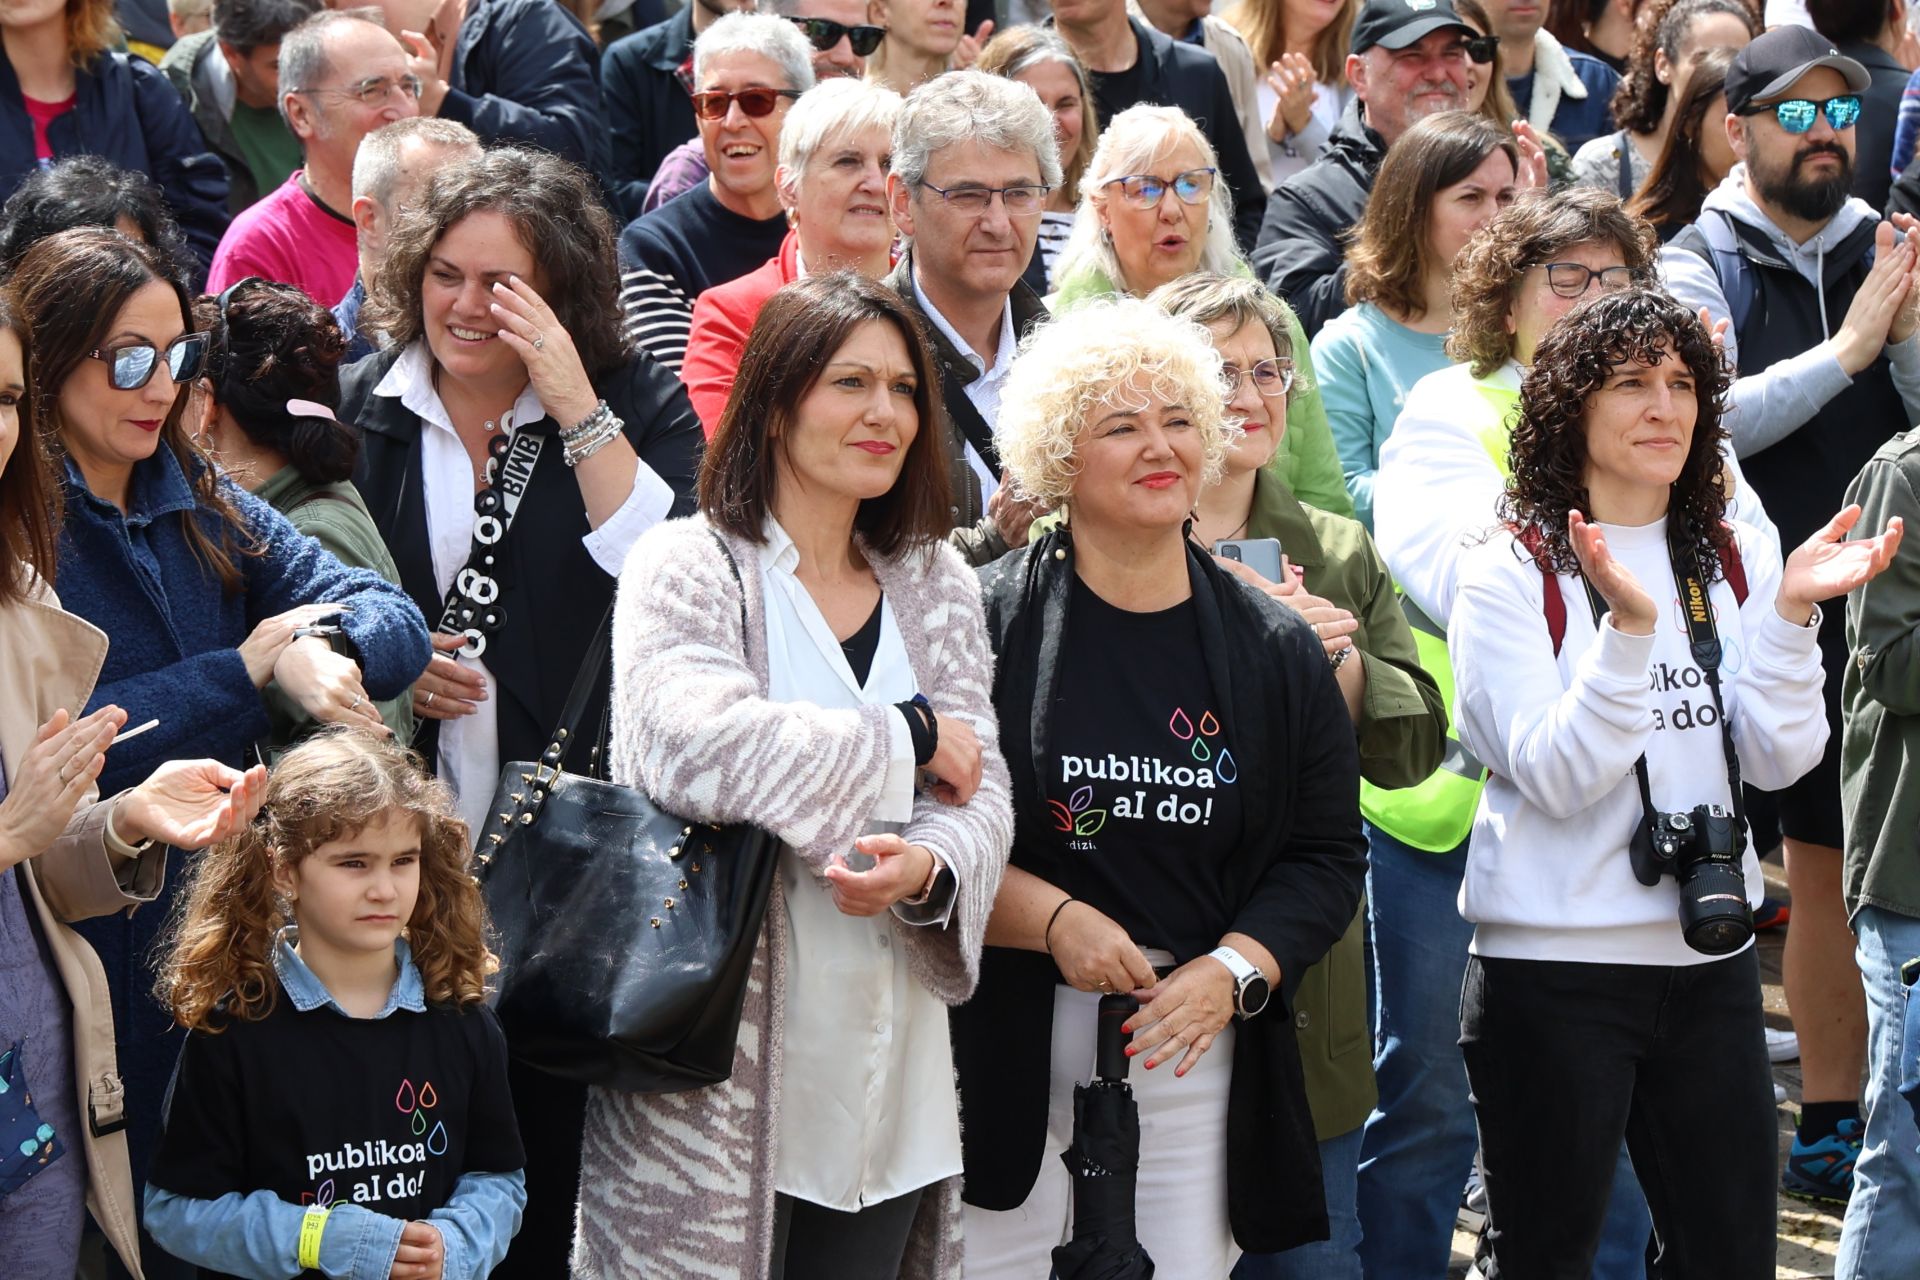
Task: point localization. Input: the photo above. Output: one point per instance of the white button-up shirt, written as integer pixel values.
(469, 755)
(983, 393)
(867, 1104)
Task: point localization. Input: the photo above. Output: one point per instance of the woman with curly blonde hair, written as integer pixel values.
(1137, 683)
(342, 1096)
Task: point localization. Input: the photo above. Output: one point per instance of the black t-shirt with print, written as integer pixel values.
(386, 1113)
(1142, 785)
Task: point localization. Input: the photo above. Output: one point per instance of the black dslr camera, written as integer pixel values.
(1702, 849)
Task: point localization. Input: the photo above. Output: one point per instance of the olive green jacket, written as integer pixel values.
(1880, 695)
(1402, 729)
(1306, 457)
(334, 516)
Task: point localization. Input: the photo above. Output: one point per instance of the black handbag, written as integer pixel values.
(625, 933)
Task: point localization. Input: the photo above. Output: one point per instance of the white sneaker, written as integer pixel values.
(1782, 1046)
(1779, 1093)
(1472, 1214)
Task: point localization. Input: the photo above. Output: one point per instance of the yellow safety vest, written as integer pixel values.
(1437, 815)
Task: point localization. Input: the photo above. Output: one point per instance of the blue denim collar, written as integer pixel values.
(308, 993)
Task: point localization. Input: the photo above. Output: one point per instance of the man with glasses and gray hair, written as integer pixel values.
(974, 157)
(341, 77)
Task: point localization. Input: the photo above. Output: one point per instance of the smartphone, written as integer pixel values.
(1262, 555)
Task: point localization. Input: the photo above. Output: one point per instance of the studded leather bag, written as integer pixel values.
(625, 933)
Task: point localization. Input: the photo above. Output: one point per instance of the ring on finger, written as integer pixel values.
(429, 701)
(357, 700)
(539, 341)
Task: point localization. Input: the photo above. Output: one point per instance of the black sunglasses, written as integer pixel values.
(1481, 49)
(130, 365)
(713, 104)
(824, 33)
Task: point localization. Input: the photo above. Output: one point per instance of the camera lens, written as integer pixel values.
(1714, 916)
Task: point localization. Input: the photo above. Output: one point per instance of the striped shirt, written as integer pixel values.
(1054, 230)
(669, 257)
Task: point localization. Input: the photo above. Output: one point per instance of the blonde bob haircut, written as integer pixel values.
(827, 115)
(1133, 142)
(1111, 353)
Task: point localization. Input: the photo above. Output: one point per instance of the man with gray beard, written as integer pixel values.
(1820, 300)
(1407, 62)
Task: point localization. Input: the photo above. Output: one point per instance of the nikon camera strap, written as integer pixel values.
(1704, 639)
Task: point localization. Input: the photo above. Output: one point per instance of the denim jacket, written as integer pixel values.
(257, 1235)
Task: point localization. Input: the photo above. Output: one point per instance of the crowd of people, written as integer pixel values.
(1332, 536)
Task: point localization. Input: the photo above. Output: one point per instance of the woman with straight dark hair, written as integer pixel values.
(87, 191)
(1696, 155)
(1672, 39)
(1442, 181)
(515, 447)
(207, 594)
(864, 659)
(78, 856)
(268, 418)
(1595, 974)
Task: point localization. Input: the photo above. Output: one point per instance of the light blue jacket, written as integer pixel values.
(257, 1234)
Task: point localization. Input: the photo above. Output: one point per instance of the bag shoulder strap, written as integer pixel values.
(1713, 237)
(1554, 605)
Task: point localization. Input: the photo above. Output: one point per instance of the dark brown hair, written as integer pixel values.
(29, 492)
(1673, 190)
(1534, 229)
(72, 287)
(556, 210)
(1641, 100)
(1387, 262)
(797, 333)
(275, 345)
(1574, 360)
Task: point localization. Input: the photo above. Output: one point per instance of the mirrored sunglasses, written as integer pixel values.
(824, 33)
(713, 104)
(1796, 115)
(130, 365)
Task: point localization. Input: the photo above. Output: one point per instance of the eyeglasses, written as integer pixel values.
(374, 90)
(1024, 200)
(1573, 279)
(714, 103)
(1796, 115)
(1144, 190)
(824, 33)
(1481, 49)
(130, 365)
(1271, 377)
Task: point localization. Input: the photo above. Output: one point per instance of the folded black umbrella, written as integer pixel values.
(1104, 1161)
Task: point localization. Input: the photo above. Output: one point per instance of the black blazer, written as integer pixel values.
(553, 591)
(1298, 876)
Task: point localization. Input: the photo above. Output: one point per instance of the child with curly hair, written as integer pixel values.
(341, 1104)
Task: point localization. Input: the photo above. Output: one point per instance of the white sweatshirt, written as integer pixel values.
(1548, 875)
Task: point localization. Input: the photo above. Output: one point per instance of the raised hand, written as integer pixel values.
(1533, 158)
(191, 804)
(528, 325)
(1633, 610)
(1828, 564)
(967, 52)
(1878, 305)
(1293, 82)
(48, 783)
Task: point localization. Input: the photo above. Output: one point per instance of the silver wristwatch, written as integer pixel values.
(1251, 990)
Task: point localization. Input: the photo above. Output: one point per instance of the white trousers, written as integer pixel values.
(1180, 1204)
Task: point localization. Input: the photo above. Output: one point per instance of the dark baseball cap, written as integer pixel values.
(1395, 24)
(1769, 66)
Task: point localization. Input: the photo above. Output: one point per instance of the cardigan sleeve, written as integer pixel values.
(976, 837)
(384, 624)
(692, 726)
(1306, 898)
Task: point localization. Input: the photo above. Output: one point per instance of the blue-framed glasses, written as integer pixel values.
(1796, 115)
(1144, 190)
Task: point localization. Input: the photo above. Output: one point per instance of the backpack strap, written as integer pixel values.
(1734, 572)
(1712, 237)
(1552, 603)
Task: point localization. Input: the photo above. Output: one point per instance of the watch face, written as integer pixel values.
(1254, 996)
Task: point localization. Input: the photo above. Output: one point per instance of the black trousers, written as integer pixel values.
(1565, 1058)
(812, 1242)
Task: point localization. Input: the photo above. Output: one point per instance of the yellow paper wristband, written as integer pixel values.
(311, 1225)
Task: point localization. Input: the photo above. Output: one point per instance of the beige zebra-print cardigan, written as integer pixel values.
(677, 1186)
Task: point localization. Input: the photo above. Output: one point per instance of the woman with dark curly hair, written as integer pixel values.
(516, 446)
(1672, 36)
(267, 416)
(1593, 976)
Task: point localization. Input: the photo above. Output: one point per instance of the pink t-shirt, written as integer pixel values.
(287, 236)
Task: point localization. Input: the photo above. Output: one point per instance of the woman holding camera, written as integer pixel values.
(1582, 644)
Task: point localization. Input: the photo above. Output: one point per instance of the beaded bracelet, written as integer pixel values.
(591, 434)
